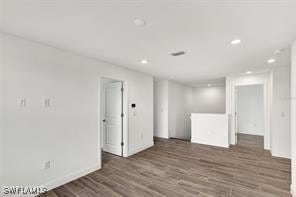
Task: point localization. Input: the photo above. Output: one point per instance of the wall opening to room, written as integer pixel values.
(249, 115)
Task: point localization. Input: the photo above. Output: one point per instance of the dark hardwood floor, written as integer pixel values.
(179, 168)
(255, 141)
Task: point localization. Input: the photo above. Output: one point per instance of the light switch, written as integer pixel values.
(283, 114)
(46, 102)
(21, 102)
(46, 165)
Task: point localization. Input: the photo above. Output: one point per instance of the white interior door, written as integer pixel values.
(113, 118)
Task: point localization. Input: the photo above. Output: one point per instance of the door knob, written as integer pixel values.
(104, 120)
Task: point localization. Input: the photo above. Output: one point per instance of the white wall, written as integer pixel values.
(161, 108)
(174, 102)
(1, 118)
(172, 108)
(210, 129)
(281, 113)
(250, 109)
(179, 110)
(67, 132)
(293, 117)
(209, 99)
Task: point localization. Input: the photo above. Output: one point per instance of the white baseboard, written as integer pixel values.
(292, 191)
(161, 136)
(70, 177)
(214, 145)
(259, 133)
(140, 149)
(75, 175)
(278, 154)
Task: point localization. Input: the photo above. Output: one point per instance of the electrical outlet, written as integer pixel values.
(46, 165)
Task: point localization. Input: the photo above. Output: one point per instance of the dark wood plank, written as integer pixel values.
(180, 168)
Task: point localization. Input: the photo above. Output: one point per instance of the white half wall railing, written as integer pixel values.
(210, 129)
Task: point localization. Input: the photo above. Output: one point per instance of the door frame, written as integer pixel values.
(265, 113)
(265, 79)
(124, 125)
(235, 113)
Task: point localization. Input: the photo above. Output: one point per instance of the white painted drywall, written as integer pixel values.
(293, 118)
(209, 99)
(161, 108)
(250, 109)
(1, 117)
(172, 108)
(174, 102)
(210, 129)
(179, 110)
(66, 133)
(281, 113)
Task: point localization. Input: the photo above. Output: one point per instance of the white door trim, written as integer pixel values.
(265, 95)
(293, 118)
(264, 79)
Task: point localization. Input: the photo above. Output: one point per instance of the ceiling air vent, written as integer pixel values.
(178, 53)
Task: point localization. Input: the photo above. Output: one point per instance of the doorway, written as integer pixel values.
(112, 114)
(249, 115)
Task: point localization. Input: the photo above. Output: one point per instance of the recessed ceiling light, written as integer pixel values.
(209, 85)
(236, 41)
(144, 61)
(270, 61)
(139, 22)
(249, 72)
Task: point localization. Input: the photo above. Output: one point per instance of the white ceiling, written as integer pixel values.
(104, 29)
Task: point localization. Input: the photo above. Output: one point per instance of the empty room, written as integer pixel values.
(148, 98)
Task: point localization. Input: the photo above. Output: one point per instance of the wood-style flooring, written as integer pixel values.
(255, 141)
(179, 168)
